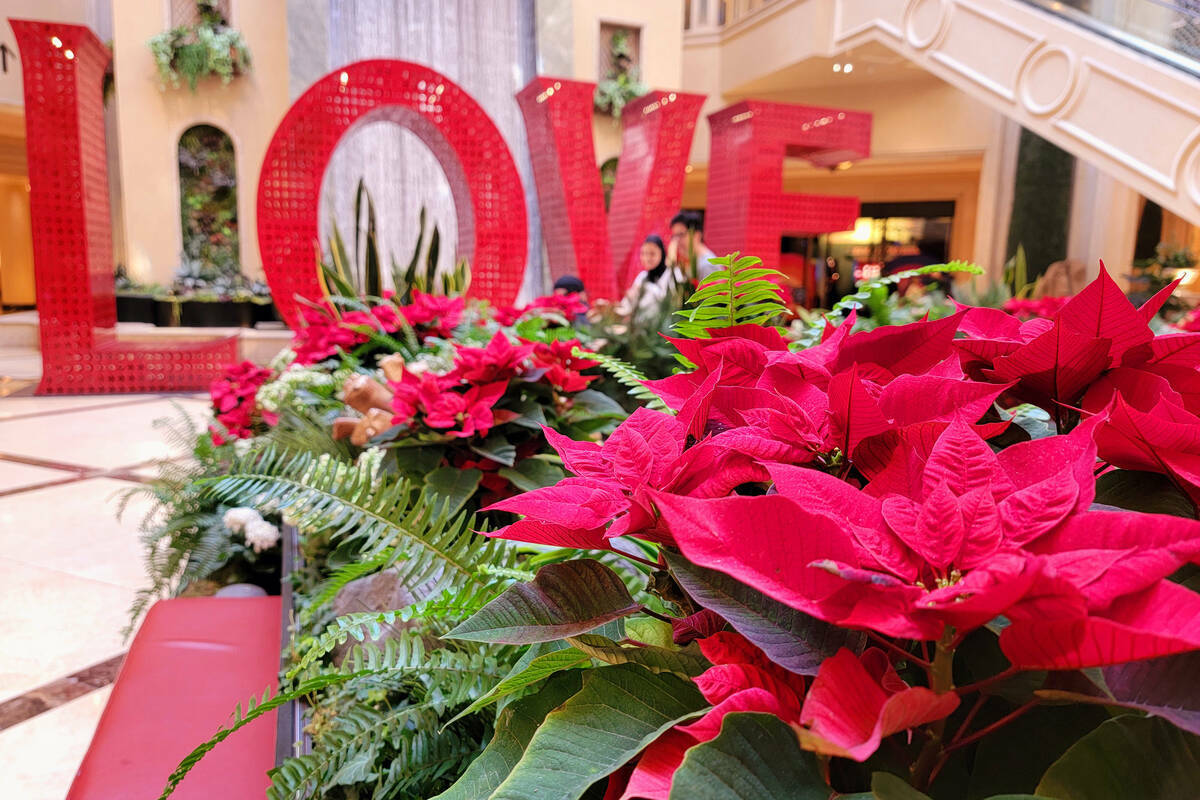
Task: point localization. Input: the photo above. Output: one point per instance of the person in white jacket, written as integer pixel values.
(643, 302)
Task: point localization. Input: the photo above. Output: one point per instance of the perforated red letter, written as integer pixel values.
(747, 207)
(655, 143)
(488, 197)
(63, 66)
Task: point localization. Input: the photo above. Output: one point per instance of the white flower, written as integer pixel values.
(261, 535)
(237, 519)
(370, 461)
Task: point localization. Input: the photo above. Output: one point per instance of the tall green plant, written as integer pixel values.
(360, 275)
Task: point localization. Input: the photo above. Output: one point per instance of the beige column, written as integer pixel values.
(1104, 219)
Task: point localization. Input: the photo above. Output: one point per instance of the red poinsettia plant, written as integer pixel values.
(236, 413)
(866, 578)
(478, 424)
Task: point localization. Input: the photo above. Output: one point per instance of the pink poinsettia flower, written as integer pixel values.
(235, 402)
(434, 314)
(742, 678)
(857, 701)
(1147, 426)
(851, 391)
(322, 336)
(1052, 362)
(562, 368)
(609, 497)
(957, 536)
(568, 305)
(470, 412)
(414, 392)
(500, 360)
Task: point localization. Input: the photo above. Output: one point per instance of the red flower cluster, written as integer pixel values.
(567, 305)
(324, 334)
(888, 511)
(234, 402)
(562, 368)
(434, 314)
(461, 414)
(500, 360)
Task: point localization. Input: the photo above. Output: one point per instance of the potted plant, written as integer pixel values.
(206, 295)
(207, 48)
(623, 82)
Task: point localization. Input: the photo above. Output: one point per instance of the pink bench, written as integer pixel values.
(193, 660)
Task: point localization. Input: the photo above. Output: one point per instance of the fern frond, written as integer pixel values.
(812, 334)
(740, 294)
(345, 575)
(628, 376)
(456, 675)
(329, 494)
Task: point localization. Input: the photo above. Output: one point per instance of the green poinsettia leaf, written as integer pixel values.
(755, 757)
(497, 448)
(886, 786)
(792, 639)
(564, 599)
(1014, 758)
(1134, 758)
(687, 661)
(619, 711)
(514, 728)
(1148, 492)
(590, 403)
(533, 473)
(527, 674)
(451, 486)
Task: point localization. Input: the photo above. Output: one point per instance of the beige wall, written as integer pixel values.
(661, 56)
(150, 121)
(92, 13)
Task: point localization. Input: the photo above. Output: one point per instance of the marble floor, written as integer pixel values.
(69, 568)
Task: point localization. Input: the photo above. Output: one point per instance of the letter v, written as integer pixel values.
(656, 140)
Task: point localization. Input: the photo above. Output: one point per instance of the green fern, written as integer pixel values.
(329, 494)
(405, 736)
(628, 376)
(460, 675)
(182, 532)
(815, 329)
(345, 575)
(740, 294)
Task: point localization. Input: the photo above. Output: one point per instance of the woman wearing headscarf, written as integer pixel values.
(645, 301)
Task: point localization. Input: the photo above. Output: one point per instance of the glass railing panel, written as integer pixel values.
(1168, 30)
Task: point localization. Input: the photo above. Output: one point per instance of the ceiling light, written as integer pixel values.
(849, 68)
(837, 67)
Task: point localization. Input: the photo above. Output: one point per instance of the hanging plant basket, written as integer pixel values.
(209, 48)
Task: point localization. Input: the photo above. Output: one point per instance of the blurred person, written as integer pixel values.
(570, 284)
(687, 241)
(644, 300)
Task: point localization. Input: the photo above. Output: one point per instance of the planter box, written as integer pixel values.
(217, 314)
(166, 313)
(136, 307)
(266, 312)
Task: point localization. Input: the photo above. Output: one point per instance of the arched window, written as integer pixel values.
(208, 200)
